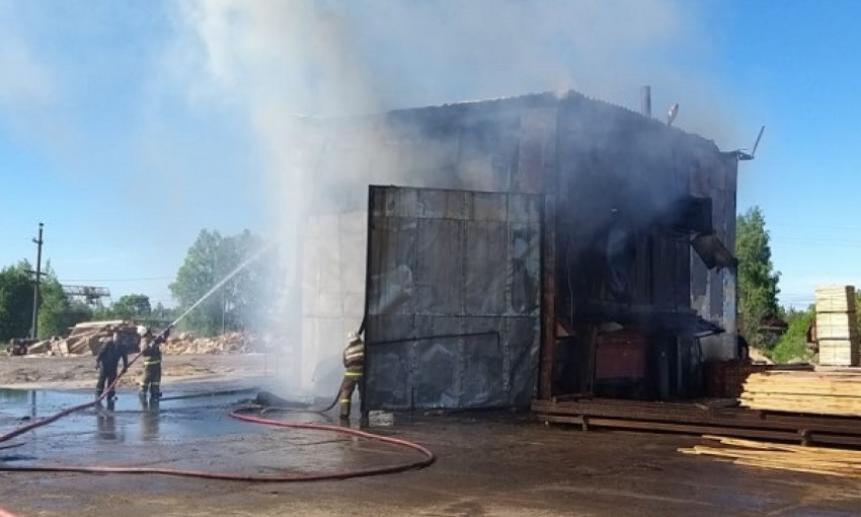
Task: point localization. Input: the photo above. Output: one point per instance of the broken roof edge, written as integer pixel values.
(533, 100)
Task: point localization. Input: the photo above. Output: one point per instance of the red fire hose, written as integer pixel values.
(239, 414)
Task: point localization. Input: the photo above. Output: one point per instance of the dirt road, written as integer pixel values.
(80, 372)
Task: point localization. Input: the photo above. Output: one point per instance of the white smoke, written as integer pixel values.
(274, 61)
(277, 62)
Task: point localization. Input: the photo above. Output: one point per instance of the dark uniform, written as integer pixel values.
(107, 362)
(152, 370)
(354, 361)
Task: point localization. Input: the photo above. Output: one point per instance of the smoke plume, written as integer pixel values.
(284, 64)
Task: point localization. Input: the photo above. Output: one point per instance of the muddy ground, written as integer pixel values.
(488, 464)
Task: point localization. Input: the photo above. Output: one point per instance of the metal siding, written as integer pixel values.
(713, 293)
(459, 262)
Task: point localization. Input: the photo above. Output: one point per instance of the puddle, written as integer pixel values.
(195, 430)
(129, 421)
(16, 457)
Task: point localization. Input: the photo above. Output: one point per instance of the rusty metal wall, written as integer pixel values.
(446, 262)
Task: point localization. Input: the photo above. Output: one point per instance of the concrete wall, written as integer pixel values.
(333, 295)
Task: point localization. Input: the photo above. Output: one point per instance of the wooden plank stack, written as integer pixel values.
(797, 391)
(815, 460)
(836, 328)
(86, 338)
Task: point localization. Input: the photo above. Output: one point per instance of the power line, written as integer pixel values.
(138, 279)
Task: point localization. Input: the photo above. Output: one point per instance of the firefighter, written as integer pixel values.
(354, 360)
(107, 362)
(151, 353)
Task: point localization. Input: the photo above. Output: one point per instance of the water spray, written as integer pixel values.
(223, 281)
(53, 418)
(428, 457)
(239, 414)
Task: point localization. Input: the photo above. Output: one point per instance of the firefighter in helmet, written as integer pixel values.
(354, 361)
(151, 380)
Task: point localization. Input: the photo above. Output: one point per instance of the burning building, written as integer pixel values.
(534, 247)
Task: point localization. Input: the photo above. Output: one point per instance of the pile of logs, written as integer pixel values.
(229, 343)
(86, 338)
(819, 392)
(817, 460)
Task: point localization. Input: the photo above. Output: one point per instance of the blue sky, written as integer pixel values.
(113, 137)
(790, 63)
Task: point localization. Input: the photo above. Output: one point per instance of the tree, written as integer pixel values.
(131, 306)
(209, 260)
(16, 301)
(757, 280)
(792, 346)
(57, 312)
(162, 313)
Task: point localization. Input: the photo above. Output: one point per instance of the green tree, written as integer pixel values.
(162, 313)
(102, 312)
(792, 346)
(757, 280)
(209, 260)
(57, 312)
(16, 301)
(131, 306)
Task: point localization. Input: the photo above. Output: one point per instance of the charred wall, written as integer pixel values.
(453, 298)
(611, 170)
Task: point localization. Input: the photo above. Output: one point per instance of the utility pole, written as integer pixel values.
(34, 328)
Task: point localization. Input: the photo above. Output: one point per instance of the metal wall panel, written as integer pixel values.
(461, 269)
(713, 293)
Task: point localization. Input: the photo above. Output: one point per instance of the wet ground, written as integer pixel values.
(487, 465)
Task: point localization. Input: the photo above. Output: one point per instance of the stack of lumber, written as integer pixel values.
(816, 460)
(86, 337)
(798, 391)
(836, 328)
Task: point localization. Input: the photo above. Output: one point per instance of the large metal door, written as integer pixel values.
(452, 298)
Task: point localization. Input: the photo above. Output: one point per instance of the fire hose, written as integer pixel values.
(238, 414)
(241, 414)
